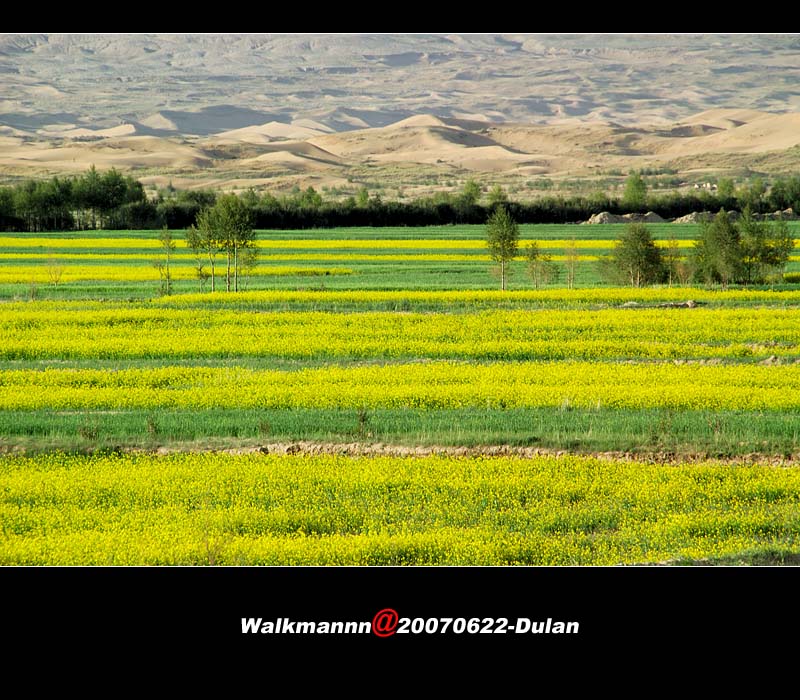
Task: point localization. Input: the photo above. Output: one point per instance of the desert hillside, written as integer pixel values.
(206, 84)
(420, 150)
(408, 111)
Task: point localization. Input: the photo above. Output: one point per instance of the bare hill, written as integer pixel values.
(130, 153)
(763, 133)
(445, 145)
(211, 83)
(266, 133)
(725, 118)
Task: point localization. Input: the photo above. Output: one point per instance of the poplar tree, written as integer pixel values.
(502, 238)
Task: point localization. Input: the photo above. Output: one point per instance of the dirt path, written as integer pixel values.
(358, 449)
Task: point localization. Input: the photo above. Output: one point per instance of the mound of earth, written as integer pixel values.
(649, 218)
(785, 215)
(693, 218)
(605, 217)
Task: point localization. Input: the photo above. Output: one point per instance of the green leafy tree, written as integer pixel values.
(571, 262)
(197, 198)
(751, 194)
(207, 237)
(502, 238)
(541, 268)
(598, 201)
(26, 205)
(634, 196)
(250, 198)
(362, 197)
(308, 198)
(677, 267)
(248, 263)
(717, 253)
(167, 241)
(497, 196)
(765, 248)
(636, 257)
(7, 211)
(234, 225)
(200, 245)
(227, 227)
(52, 201)
(785, 193)
(725, 188)
(113, 191)
(748, 252)
(89, 193)
(471, 193)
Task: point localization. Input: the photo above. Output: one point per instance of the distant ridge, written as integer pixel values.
(303, 152)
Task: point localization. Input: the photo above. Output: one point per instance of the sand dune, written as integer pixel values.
(10, 131)
(687, 130)
(160, 122)
(418, 120)
(305, 150)
(496, 147)
(557, 140)
(123, 153)
(726, 118)
(480, 158)
(43, 91)
(265, 133)
(425, 139)
(291, 161)
(73, 132)
(311, 124)
(55, 129)
(339, 120)
(404, 110)
(296, 155)
(471, 122)
(763, 133)
(407, 137)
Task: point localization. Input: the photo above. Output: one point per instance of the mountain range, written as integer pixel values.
(292, 109)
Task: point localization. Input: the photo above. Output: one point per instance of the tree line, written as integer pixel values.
(726, 251)
(113, 201)
(91, 200)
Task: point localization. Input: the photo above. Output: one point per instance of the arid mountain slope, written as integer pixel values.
(290, 152)
(210, 83)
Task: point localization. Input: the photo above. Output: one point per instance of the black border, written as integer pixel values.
(672, 619)
(657, 613)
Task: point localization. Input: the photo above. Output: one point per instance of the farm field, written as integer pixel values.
(278, 510)
(377, 369)
(119, 264)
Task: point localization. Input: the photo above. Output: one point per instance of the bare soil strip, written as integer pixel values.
(364, 449)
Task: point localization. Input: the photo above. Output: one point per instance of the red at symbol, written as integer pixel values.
(384, 623)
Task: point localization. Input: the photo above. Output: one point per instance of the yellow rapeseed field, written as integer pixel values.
(595, 296)
(44, 274)
(411, 385)
(291, 351)
(167, 330)
(223, 509)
